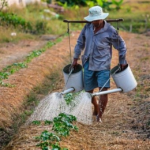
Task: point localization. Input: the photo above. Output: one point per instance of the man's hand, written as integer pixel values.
(123, 66)
(75, 63)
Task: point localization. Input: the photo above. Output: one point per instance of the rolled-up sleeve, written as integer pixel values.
(119, 44)
(80, 44)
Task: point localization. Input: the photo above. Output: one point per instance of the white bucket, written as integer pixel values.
(124, 79)
(75, 80)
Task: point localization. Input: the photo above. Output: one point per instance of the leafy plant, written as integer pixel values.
(117, 3)
(12, 19)
(57, 147)
(90, 3)
(45, 136)
(47, 122)
(69, 97)
(62, 124)
(10, 70)
(105, 4)
(36, 122)
(34, 54)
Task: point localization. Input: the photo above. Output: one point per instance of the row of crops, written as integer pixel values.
(11, 69)
(61, 127)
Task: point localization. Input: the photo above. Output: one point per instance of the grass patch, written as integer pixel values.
(6, 36)
(34, 15)
(135, 15)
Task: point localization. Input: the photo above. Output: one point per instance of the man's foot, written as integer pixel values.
(98, 119)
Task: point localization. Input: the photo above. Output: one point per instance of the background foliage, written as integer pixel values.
(37, 19)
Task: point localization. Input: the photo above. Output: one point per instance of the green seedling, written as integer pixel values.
(47, 122)
(62, 124)
(11, 69)
(36, 122)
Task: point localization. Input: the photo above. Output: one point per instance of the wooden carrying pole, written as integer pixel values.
(110, 20)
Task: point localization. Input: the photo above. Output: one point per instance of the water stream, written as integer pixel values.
(54, 104)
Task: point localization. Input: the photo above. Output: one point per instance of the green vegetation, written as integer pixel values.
(62, 125)
(37, 19)
(72, 2)
(29, 22)
(103, 3)
(69, 97)
(36, 122)
(11, 69)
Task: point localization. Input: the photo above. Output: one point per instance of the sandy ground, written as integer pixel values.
(12, 53)
(126, 121)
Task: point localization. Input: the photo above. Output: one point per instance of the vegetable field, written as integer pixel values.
(31, 69)
(125, 122)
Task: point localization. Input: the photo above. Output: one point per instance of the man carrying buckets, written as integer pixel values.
(97, 39)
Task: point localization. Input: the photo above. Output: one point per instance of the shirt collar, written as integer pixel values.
(101, 30)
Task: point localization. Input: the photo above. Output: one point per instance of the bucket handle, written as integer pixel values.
(71, 70)
(109, 78)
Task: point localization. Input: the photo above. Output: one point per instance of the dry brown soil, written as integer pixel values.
(126, 121)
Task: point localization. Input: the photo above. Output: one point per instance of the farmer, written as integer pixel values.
(97, 39)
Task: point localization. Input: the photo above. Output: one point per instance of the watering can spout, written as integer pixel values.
(107, 92)
(68, 91)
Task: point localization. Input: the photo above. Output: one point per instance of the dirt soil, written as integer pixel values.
(12, 53)
(126, 121)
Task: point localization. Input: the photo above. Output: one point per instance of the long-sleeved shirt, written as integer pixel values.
(98, 47)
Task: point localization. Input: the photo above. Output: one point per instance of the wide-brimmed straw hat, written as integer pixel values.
(96, 13)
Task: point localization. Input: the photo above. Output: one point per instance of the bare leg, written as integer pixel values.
(94, 102)
(103, 99)
(96, 106)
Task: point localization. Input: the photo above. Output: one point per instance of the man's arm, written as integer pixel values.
(119, 44)
(79, 47)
